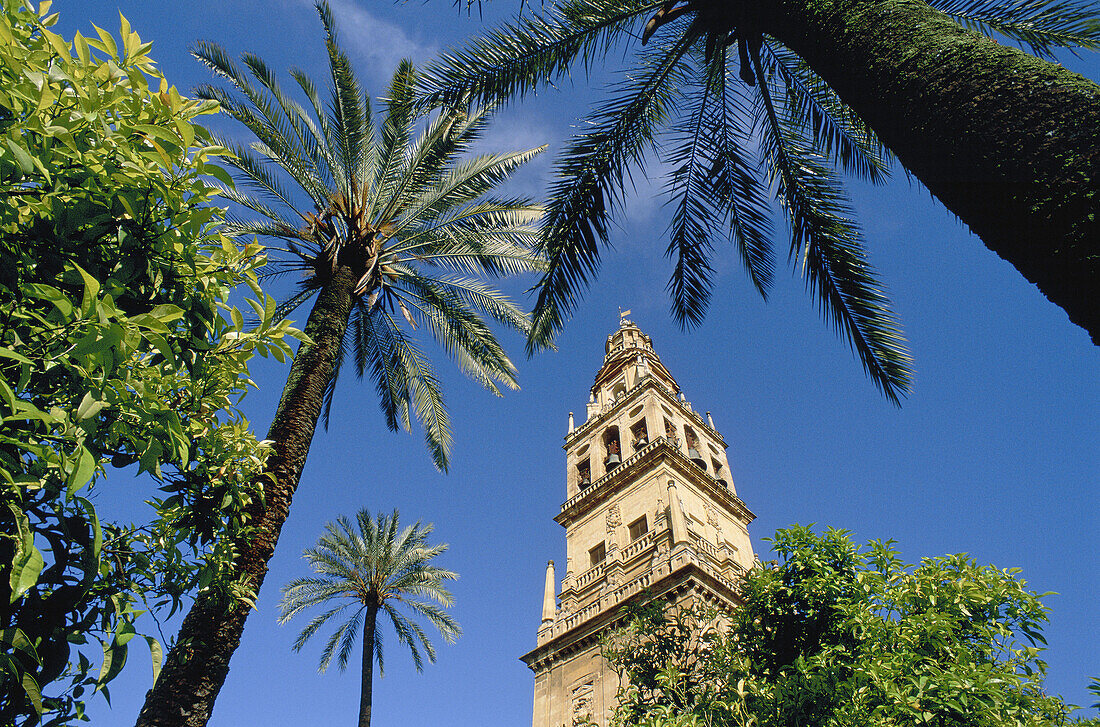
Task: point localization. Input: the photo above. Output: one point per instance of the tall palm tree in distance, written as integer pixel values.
(387, 232)
(759, 99)
(372, 568)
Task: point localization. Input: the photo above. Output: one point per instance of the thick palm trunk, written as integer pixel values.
(367, 687)
(197, 665)
(1008, 142)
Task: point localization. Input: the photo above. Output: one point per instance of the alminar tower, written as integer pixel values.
(650, 512)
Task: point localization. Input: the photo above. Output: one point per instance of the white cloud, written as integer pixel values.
(378, 43)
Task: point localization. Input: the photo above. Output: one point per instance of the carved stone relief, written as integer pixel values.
(584, 702)
(614, 518)
(712, 516)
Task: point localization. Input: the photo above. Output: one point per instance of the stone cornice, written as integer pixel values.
(656, 451)
(690, 576)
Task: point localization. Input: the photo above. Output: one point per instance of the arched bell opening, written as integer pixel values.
(612, 448)
(584, 474)
(692, 440)
(639, 435)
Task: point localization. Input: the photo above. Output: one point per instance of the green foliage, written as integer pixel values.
(837, 635)
(118, 349)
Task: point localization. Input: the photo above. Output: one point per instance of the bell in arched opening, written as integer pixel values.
(693, 448)
(611, 445)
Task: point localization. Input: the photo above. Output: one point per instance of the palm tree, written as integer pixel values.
(1008, 142)
(372, 569)
(394, 232)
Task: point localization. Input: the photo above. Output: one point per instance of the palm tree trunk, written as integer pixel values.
(1008, 142)
(197, 665)
(366, 690)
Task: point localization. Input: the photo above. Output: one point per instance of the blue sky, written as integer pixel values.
(994, 454)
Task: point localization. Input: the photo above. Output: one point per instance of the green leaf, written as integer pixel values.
(82, 471)
(22, 158)
(89, 407)
(18, 640)
(156, 652)
(167, 312)
(52, 294)
(108, 41)
(124, 633)
(114, 658)
(27, 563)
(97, 530)
(161, 344)
(8, 353)
(30, 686)
(82, 50)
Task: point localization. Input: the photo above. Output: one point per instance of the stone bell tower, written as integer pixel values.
(650, 512)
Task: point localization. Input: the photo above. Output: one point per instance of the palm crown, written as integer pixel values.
(412, 219)
(372, 566)
(776, 131)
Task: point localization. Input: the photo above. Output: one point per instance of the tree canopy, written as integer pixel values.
(835, 634)
(119, 350)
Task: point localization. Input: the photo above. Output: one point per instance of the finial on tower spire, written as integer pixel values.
(622, 316)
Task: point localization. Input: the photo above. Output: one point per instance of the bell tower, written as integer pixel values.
(650, 512)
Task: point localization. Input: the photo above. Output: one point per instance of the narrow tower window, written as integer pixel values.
(638, 528)
(718, 474)
(597, 554)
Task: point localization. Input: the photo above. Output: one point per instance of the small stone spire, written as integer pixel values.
(679, 527)
(571, 427)
(549, 602)
(709, 421)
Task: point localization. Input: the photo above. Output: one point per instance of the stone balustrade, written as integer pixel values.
(589, 575)
(639, 546)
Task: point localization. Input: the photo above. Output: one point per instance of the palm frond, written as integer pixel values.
(271, 126)
(735, 178)
(349, 110)
(696, 215)
(590, 179)
(836, 131)
(528, 53)
(463, 335)
(1038, 25)
(427, 400)
(294, 123)
(464, 183)
(827, 240)
(396, 136)
(375, 352)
